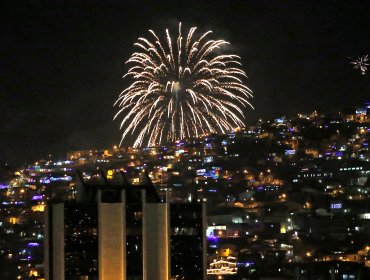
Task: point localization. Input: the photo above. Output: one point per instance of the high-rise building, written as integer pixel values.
(118, 231)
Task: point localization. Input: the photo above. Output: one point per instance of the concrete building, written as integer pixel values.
(114, 230)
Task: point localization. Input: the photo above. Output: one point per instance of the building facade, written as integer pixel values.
(114, 230)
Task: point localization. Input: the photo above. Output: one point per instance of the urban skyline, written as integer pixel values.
(293, 203)
(137, 144)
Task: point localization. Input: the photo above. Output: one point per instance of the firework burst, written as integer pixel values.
(181, 89)
(360, 64)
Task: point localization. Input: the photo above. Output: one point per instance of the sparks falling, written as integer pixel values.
(181, 89)
(360, 64)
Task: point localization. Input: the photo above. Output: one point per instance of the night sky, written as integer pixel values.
(62, 62)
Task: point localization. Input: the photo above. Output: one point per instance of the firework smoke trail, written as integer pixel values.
(181, 89)
(360, 63)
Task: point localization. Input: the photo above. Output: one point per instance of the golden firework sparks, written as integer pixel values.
(181, 90)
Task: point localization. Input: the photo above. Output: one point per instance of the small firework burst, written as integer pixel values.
(360, 63)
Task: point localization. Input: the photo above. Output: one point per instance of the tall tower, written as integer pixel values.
(115, 230)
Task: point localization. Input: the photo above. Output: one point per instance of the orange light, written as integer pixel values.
(14, 220)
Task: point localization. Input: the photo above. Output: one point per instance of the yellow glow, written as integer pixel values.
(110, 174)
(282, 229)
(38, 208)
(34, 273)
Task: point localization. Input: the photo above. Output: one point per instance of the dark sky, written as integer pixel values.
(62, 62)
